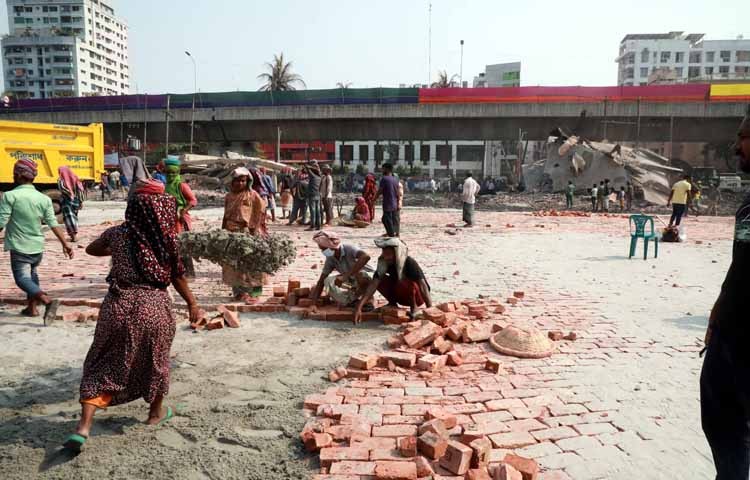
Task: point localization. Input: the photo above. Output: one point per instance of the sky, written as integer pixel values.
(385, 42)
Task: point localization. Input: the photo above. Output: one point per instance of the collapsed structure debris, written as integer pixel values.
(585, 163)
(210, 172)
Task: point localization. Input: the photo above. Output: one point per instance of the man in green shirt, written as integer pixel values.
(22, 211)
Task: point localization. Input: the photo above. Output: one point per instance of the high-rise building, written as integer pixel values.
(676, 57)
(65, 48)
(499, 75)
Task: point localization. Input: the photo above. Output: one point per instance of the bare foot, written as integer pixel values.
(156, 417)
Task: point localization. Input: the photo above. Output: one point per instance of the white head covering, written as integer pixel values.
(240, 172)
(402, 251)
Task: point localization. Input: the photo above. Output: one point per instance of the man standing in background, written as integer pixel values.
(389, 188)
(678, 199)
(469, 196)
(313, 194)
(326, 194)
(570, 192)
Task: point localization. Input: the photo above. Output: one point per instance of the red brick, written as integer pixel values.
(422, 336)
(507, 472)
(480, 455)
(512, 440)
(215, 324)
(337, 374)
(363, 361)
(353, 468)
(432, 446)
(555, 335)
(407, 446)
(316, 441)
(499, 309)
(571, 337)
(395, 471)
(441, 346)
(554, 434)
(477, 332)
(435, 426)
(372, 317)
(373, 443)
(337, 454)
(293, 284)
(457, 458)
(448, 307)
(455, 333)
(512, 301)
(315, 400)
(394, 430)
(279, 292)
(493, 365)
(424, 467)
(402, 359)
(434, 314)
(519, 295)
(395, 341)
(529, 468)
(454, 359)
(477, 474)
(340, 315)
(431, 363)
(301, 293)
(305, 303)
(231, 318)
(448, 419)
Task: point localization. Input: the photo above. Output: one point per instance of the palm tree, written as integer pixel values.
(443, 81)
(279, 77)
(343, 85)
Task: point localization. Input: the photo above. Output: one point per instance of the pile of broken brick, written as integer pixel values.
(420, 409)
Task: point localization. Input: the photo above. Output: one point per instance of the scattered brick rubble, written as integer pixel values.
(431, 406)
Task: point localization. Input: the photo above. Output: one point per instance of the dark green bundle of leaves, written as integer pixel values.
(240, 251)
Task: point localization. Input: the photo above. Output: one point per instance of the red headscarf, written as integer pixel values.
(69, 183)
(371, 188)
(362, 209)
(150, 223)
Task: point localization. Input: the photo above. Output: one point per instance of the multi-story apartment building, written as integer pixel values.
(499, 75)
(65, 48)
(676, 57)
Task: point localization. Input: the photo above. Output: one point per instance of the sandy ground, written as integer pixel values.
(242, 389)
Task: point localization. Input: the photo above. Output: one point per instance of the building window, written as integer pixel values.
(665, 57)
(743, 55)
(742, 71)
(679, 57)
(710, 57)
(644, 72)
(628, 73)
(630, 59)
(724, 70)
(694, 72)
(678, 72)
(644, 55)
(709, 71)
(725, 56)
(19, 21)
(695, 57)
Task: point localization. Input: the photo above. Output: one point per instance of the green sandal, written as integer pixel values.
(75, 442)
(171, 413)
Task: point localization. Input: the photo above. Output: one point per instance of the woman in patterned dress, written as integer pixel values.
(129, 357)
(244, 211)
(369, 193)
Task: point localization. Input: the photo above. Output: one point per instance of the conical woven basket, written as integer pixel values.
(526, 343)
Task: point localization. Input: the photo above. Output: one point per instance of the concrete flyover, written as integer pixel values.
(616, 121)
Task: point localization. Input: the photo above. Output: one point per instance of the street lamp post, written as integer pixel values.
(195, 89)
(461, 72)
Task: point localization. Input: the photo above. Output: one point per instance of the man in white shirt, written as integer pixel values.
(469, 197)
(326, 194)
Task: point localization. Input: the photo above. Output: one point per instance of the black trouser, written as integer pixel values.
(316, 217)
(725, 407)
(299, 210)
(392, 223)
(678, 210)
(328, 209)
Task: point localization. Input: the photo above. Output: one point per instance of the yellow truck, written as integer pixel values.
(51, 146)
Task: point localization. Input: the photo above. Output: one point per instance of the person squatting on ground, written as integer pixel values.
(398, 278)
(724, 385)
(186, 201)
(72, 196)
(389, 188)
(22, 212)
(678, 199)
(351, 264)
(129, 356)
(326, 194)
(469, 196)
(244, 212)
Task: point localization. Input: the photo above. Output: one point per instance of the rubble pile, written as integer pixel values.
(412, 412)
(585, 163)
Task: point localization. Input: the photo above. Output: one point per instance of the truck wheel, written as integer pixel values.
(55, 196)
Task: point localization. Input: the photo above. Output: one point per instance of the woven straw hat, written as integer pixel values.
(526, 343)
